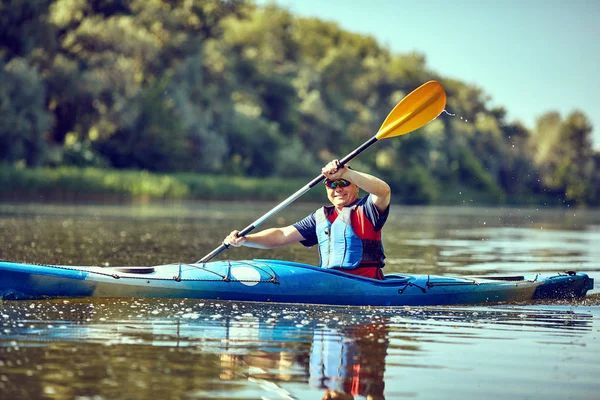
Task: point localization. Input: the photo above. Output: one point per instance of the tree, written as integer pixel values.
(150, 138)
(567, 165)
(24, 27)
(23, 118)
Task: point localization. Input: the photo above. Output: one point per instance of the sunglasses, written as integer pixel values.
(337, 183)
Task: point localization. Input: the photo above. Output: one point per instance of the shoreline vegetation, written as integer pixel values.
(190, 91)
(72, 184)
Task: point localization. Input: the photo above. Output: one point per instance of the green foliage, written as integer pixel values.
(24, 119)
(152, 139)
(230, 88)
(415, 185)
(207, 187)
(253, 141)
(566, 160)
(70, 183)
(198, 107)
(80, 154)
(293, 161)
(517, 175)
(24, 27)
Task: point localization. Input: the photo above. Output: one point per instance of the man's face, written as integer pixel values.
(341, 195)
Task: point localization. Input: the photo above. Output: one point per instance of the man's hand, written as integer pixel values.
(234, 240)
(333, 170)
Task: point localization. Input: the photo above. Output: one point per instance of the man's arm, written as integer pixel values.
(380, 191)
(267, 239)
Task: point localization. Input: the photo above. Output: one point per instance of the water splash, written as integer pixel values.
(454, 115)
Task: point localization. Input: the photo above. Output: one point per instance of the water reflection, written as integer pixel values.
(187, 349)
(350, 362)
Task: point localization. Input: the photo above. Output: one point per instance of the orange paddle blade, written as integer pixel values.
(417, 109)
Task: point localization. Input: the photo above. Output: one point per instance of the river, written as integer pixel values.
(189, 349)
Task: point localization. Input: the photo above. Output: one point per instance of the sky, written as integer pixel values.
(529, 56)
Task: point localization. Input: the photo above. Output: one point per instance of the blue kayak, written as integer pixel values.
(280, 281)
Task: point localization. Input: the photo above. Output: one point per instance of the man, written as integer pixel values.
(348, 233)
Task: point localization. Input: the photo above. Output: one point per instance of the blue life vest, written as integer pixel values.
(340, 246)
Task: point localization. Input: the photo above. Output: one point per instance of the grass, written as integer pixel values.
(106, 185)
(69, 183)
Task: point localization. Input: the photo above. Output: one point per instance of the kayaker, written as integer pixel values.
(356, 251)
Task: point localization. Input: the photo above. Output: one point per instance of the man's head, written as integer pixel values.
(341, 192)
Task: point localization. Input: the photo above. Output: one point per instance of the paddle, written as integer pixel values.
(417, 109)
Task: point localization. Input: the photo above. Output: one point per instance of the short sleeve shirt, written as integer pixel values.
(308, 226)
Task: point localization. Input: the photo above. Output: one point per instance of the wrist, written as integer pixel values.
(348, 174)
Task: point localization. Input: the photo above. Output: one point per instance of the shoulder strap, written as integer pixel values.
(322, 213)
(346, 213)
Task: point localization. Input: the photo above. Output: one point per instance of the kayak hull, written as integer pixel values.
(279, 281)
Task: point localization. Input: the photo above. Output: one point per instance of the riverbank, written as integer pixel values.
(71, 184)
(81, 184)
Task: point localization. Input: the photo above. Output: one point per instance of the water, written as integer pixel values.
(190, 349)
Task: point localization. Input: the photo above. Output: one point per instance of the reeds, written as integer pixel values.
(70, 183)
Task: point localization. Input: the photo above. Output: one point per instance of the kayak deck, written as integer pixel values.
(279, 281)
